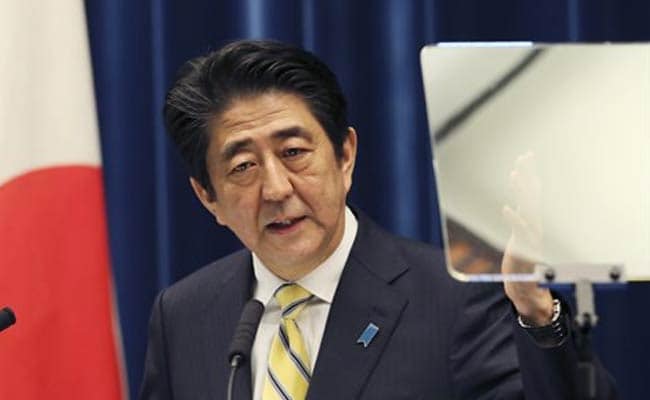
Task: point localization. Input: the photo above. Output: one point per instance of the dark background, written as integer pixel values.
(159, 232)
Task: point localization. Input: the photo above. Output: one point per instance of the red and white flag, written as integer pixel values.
(54, 261)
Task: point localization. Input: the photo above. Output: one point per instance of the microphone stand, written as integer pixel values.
(242, 341)
(234, 366)
(583, 276)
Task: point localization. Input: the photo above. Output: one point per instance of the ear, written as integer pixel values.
(209, 201)
(349, 156)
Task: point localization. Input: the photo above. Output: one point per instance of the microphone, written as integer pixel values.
(7, 318)
(242, 341)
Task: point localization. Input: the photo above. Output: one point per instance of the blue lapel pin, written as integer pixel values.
(368, 334)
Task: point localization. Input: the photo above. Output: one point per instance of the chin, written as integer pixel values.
(298, 262)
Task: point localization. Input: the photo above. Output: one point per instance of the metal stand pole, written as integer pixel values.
(583, 276)
(586, 319)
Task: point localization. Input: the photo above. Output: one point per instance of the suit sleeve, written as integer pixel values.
(492, 357)
(544, 371)
(155, 382)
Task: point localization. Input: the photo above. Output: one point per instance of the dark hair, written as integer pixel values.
(207, 85)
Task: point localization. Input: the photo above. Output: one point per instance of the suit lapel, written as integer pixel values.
(221, 317)
(364, 296)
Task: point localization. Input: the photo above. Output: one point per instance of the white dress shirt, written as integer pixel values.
(321, 282)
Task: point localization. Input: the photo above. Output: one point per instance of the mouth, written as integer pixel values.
(284, 225)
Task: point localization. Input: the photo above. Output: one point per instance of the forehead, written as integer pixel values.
(260, 116)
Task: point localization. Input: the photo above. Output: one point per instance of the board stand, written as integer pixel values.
(583, 277)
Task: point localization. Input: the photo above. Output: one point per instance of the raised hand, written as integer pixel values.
(524, 247)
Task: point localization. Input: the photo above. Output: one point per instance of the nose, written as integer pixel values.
(276, 185)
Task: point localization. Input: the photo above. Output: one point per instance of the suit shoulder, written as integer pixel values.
(418, 249)
(427, 266)
(207, 280)
(433, 258)
(418, 254)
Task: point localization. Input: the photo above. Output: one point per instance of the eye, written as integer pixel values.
(293, 152)
(242, 167)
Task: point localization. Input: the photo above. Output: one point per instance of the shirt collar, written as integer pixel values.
(322, 281)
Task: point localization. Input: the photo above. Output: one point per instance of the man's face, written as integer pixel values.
(278, 185)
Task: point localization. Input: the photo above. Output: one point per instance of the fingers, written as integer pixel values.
(526, 188)
(512, 217)
(525, 239)
(520, 227)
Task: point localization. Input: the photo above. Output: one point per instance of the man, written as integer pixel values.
(352, 312)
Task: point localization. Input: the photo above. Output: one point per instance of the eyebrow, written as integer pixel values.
(236, 146)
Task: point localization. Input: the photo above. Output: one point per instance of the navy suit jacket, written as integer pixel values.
(437, 339)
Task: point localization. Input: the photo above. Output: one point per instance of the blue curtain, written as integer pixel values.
(158, 230)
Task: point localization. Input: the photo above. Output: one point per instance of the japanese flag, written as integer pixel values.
(54, 262)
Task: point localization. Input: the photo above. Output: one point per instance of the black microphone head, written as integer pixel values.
(242, 341)
(7, 318)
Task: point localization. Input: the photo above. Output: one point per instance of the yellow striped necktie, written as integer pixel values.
(289, 371)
